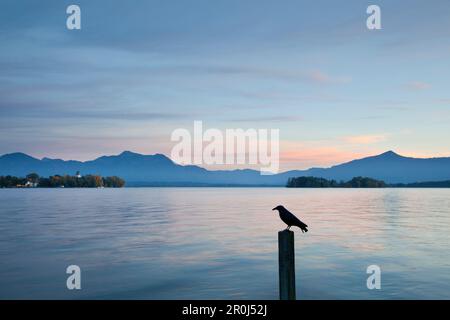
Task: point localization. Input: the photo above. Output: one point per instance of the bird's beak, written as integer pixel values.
(274, 209)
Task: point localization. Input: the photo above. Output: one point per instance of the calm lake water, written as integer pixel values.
(221, 243)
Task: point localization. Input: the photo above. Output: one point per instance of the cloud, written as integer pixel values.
(418, 86)
(444, 101)
(132, 116)
(315, 76)
(323, 78)
(288, 118)
(30, 110)
(365, 139)
(295, 155)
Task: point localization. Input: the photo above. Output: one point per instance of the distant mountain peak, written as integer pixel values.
(390, 153)
(156, 158)
(127, 153)
(130, 154)
(17, 155)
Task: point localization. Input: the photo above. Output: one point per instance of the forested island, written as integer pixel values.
(33, 180)
(314, 182)
(359, 182)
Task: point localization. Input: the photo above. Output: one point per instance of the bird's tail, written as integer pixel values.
(304, 228)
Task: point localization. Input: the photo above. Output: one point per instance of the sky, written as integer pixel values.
(138, 70)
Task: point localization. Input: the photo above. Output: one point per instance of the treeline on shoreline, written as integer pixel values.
(428, 184)
(314, 182)
(33, 180)
(359, 182)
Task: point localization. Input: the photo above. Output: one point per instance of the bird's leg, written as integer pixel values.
(289, 228)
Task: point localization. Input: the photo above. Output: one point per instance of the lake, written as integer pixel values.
(221, 243)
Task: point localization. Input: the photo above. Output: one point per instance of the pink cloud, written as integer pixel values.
(304, 156)
(365, 139)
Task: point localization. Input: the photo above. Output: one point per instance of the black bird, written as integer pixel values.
(290, 219)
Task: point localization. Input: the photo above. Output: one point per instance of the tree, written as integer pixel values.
(33, 177)
(113, 182)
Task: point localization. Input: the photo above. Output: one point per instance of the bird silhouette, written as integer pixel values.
(289, 218)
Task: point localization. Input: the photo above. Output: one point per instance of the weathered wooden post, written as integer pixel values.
(286, 263)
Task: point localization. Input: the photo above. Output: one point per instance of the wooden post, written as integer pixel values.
(286, 262)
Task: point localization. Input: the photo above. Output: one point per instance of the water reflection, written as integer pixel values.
(214, 243)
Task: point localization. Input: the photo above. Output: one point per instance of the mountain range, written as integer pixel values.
(159, 170)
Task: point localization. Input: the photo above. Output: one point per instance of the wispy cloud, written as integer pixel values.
(323, 78)
(444, 101)
(418, 85)
(314, 76)
(269, 119)
(29, 110)
(365, 139)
